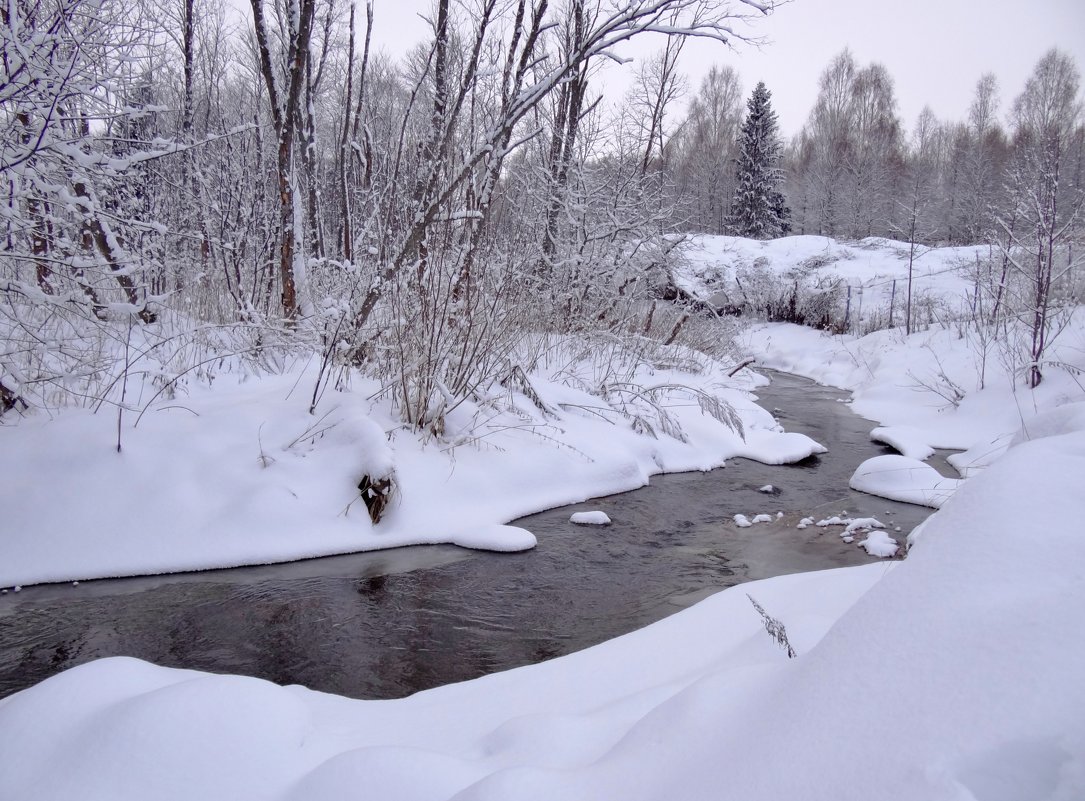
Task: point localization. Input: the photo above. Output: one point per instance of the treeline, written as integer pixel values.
(856, 170)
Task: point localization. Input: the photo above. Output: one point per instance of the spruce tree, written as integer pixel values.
(758, 209)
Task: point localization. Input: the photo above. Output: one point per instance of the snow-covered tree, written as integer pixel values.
(759, 209)
(1038, 234)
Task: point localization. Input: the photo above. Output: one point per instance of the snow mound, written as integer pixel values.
(773, 447)
(595, 518)
(907, 441)
(902, 479)
(878, 543)
(806, 521)
(508, 539)
(863, 524)
(768, 488)
(742, 521)
(762, 519)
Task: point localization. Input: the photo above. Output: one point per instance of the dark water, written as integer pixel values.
(390, 623)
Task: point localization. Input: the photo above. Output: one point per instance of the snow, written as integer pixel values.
(240, 473)
(907, 441)
(768, 488)
(870, 267)
(773, 447)
(762, 519)
(863, 524)
(896, 381)
(497, 538)
(902, 479)
(953, 674)
(590, 518)
(878, 543)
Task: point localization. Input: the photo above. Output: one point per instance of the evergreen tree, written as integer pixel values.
(758, 209)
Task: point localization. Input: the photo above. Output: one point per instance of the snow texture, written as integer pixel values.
(974, 680)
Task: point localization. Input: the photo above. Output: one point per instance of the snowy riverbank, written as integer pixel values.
(930, 389)
(954, 674)
(242, 474)
(951, 675)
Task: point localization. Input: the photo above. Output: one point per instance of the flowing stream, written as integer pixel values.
(389, 623)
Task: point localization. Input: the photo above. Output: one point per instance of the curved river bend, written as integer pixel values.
(388, 623)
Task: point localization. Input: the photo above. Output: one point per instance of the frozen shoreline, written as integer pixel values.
(243, 475)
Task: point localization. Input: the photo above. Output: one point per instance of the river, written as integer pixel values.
(389, 623)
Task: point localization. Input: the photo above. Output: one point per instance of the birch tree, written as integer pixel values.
(1045, 209)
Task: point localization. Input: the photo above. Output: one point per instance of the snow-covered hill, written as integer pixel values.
(732, 272)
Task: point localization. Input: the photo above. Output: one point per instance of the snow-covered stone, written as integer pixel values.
(862, 524)
(878, 543)
(594, 518)
(902, 479)
(907, 440)
(496, 538)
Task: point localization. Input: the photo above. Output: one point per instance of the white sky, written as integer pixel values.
(934, 49)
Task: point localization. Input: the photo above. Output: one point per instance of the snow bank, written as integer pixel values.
(725, 270)
(955, 674)
(902, 479)
(906, 440)
(772, 447)
(928, 385)
(243, 474)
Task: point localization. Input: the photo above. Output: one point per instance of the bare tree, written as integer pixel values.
(1045, 210)
(705, 148)
(284, 72)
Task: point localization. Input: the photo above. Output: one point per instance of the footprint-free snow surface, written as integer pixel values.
(952, 675)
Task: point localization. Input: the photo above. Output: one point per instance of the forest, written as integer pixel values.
(186, 188)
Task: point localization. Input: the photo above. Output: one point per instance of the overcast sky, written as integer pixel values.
(934, 49)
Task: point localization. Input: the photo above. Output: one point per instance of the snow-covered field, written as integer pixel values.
(954, 674)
